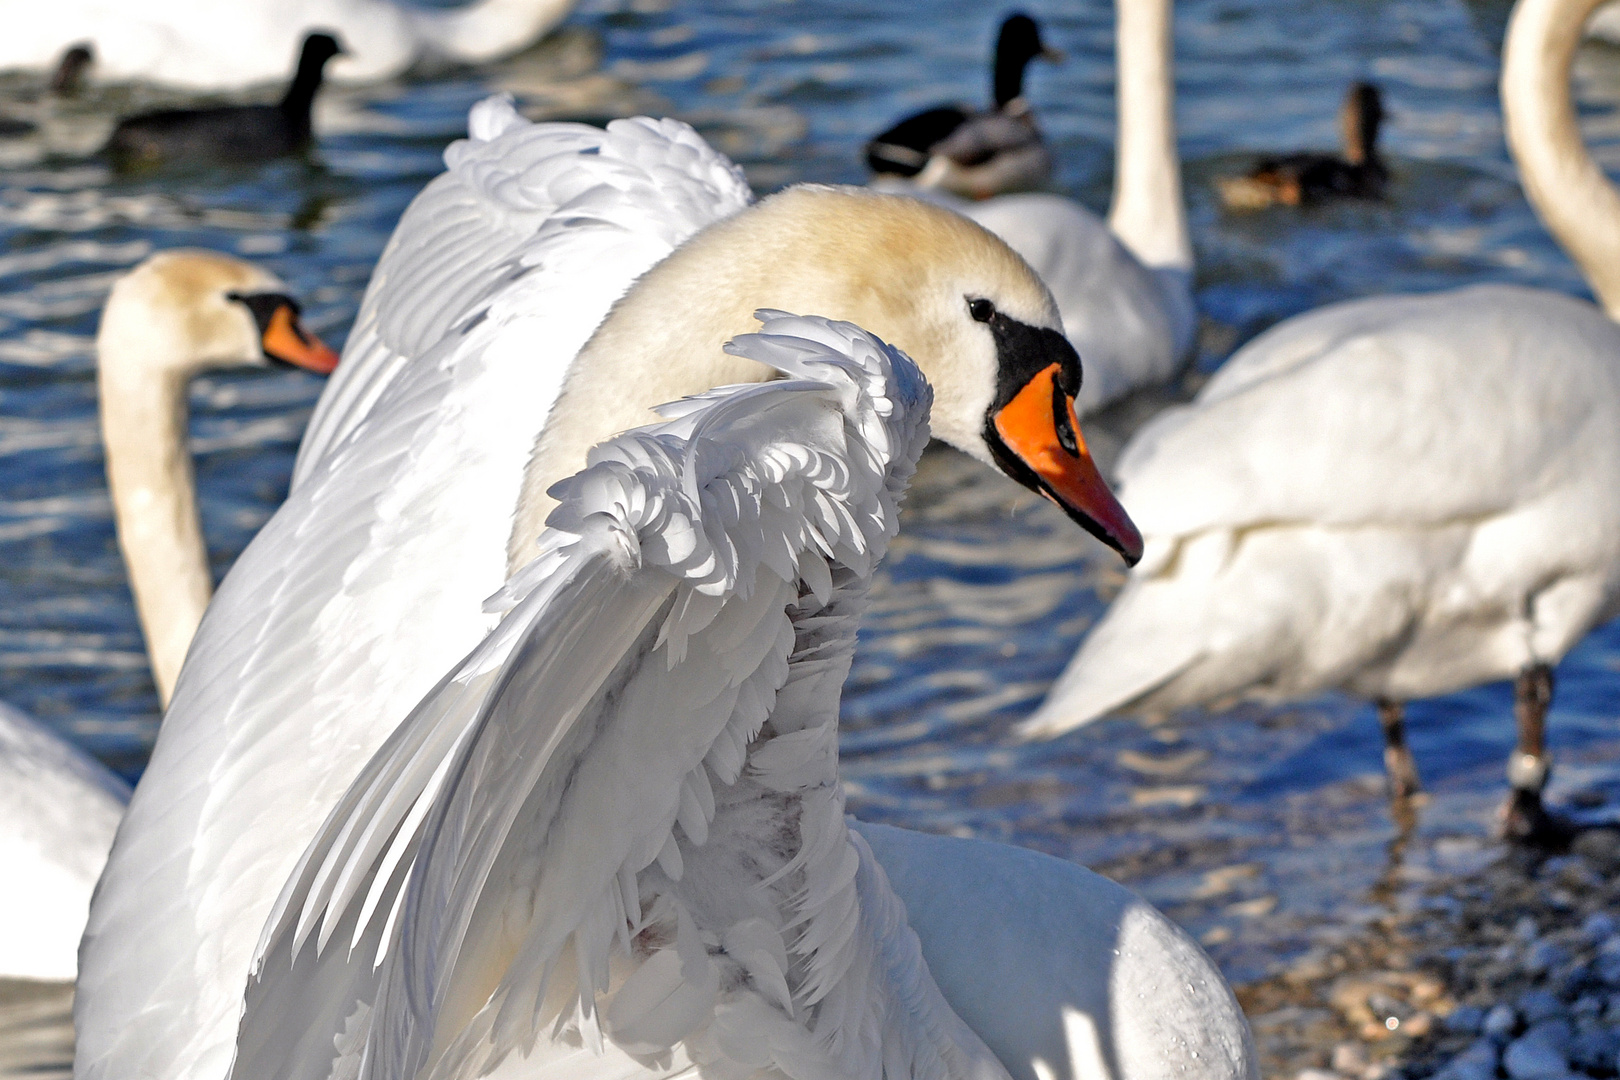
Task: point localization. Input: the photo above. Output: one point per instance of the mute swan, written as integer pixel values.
(228, 133)
(613, 838)
(976, 154)
(206, 46)
(1124, 286)
(176, 314)
(367, 585)
(1400, 496)
(58, 810)
(1313, 178)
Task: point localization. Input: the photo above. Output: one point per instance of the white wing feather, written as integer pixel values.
(368, 583)
(640, 843)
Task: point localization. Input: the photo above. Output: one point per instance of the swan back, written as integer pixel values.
(618, 820)
(58, 810)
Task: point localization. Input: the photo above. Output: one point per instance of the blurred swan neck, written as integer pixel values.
(1568, 191)
(1148, 215)
(143, 426)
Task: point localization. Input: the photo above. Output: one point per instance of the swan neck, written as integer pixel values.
(1148, 215)
(149, 472)
(1565, 187)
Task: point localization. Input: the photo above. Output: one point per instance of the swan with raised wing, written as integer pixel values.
(613, 839)
(498, 313)
(177, 314)
(205, 46)
(1123, 286)
(1400, 496)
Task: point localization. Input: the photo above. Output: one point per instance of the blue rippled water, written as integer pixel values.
(1261, 829)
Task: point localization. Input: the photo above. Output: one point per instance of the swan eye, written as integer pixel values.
(981, 309)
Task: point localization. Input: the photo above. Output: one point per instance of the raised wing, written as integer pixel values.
(1324, 419)
(618, 822)
(493, 218)
(368, 583)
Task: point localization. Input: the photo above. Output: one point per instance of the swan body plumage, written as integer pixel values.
(1124, 285)
(368, 584)
(201, 45)
(58, 810)
(1400, 496)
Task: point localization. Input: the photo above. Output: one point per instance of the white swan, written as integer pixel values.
(207, 46)
(1124, 286)
(58, 810)
(368, 584)
(1400, 496)
(618, 823)
(175, 315)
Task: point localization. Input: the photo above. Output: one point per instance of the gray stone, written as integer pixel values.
(1501, 1021)
(1543, 956)
(1538, 1005)
(1596, 1051)
(1537, 1054)
(1466, 1020)
(1478, 1062)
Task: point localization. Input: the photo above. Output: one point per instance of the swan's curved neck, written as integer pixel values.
(143, 426)
(1565, 186)
(1148, 215)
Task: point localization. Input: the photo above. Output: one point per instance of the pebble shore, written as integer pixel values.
(1512, 971)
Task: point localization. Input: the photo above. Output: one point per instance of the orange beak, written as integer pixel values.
(285, 339)
(1039, 427)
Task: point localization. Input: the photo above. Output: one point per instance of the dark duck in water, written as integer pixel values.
(228, 133)
(1314, 178)
(972, 153)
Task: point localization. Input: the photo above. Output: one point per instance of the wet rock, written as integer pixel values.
(1596, 1051)
(1544, 956)
(1501, 1022)
(1540, 1053)
(1466, 1020)
(1478, 1062)
(1538, 1005)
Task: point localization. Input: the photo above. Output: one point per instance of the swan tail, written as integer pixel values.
(1140, 646)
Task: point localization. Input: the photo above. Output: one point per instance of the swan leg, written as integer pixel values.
(1523, 818)
(1398, 763)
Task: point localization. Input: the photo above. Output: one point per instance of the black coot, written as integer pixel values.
(228, 133)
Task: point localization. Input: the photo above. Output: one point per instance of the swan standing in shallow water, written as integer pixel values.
(612, 841)
(368, 584)
(1400, 496)
(1124, 286)
(206, 46)
(176, 315)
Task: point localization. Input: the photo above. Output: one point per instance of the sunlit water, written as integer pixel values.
(1262, 830)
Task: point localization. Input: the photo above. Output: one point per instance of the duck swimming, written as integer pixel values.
(972, 153)
(228, 133)
(1307, 179)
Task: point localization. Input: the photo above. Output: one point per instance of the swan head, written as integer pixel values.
(976, 319)
(184, 311)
